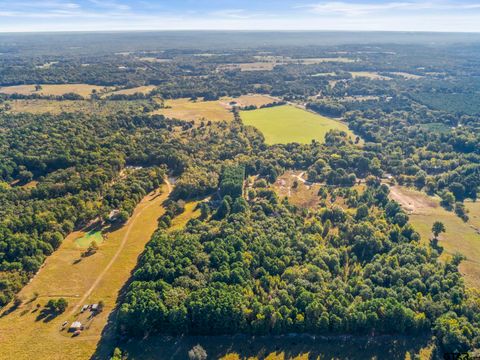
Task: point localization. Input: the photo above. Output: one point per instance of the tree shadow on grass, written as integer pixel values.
(15, 306)
(290, 346)
(434, 244)
(46, 315)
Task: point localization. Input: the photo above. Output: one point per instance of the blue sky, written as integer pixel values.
(89, 15)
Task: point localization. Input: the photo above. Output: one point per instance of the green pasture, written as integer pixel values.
(286, 124)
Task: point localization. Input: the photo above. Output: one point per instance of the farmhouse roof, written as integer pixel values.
(113, 214)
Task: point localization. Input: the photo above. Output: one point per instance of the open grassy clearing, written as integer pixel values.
(84, 90)
(293, 186)
(249, 100)
(41, 106)
(185, 109)
(460, 237)
(301, 193)
(147, 89)
(474, 213)
(243, 347)
(47, 65)
(285, 124)
(94, 278)
(369, 75)
(407, 75)
(323, 74)
(93, 235)
(191, 212)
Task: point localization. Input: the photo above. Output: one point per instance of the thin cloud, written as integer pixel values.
(358, 9)
(113, 5)
(233, 14)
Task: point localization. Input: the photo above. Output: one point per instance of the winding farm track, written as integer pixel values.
(100, 277)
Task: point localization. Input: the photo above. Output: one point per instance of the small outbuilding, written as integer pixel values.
(76, 325)
(113, 215)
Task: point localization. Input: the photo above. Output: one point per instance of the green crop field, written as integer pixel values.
(285, 124)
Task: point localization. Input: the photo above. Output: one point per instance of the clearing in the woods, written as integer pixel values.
(217, 110)
(147, 89)
(186, 109)
(286, 124)
(460, 237)
(84, 90)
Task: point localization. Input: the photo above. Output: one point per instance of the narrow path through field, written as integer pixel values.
(114, 258)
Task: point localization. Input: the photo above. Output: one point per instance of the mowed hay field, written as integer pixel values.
(84, 90)
(460, 237)
(186, 109)
(147, 89)
(80, 281)
(286, 124)
(249, 100)
(219, 110)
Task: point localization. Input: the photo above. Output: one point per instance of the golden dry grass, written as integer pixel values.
(30, 185)
(220, 110)
(139, 89)
(305, 194)
(407, 75)
(249, 100)
(84, 90)
(368, 75)
(22, 337)
(460, 237)
(291, 185)
(185, 109)
(474, 213)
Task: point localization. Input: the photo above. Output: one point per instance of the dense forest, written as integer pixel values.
(264, 267)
